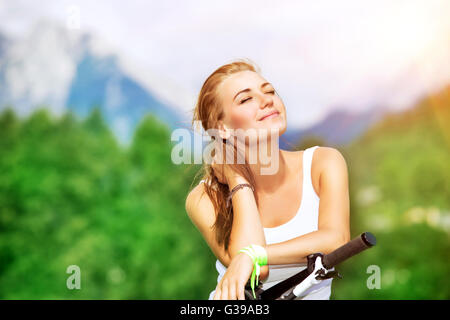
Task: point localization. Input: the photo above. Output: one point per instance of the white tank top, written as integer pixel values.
(305, 221)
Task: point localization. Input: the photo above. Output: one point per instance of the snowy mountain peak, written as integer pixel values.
(62, 68)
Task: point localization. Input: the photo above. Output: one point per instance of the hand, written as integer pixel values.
(222, 170)
(226, 175)
(232, 284)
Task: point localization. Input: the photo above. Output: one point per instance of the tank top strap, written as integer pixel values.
(307, 164)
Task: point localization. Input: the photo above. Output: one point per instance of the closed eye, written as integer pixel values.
(245, 100)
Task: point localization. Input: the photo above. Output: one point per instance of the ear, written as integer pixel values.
(224, 131)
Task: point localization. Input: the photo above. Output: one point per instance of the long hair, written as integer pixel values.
(208, 110)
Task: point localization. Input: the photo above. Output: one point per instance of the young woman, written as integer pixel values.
(302, 208)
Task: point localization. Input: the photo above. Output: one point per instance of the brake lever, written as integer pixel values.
(330, 274)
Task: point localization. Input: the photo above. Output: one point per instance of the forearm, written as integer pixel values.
(297, 249)
(247, 227)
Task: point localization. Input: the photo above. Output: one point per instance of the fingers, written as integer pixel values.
(240, 290)
(229, 291)
(217, 294)
(220, 293)
(232, 291)
(224, 290)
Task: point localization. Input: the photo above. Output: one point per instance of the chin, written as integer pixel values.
(280, 125)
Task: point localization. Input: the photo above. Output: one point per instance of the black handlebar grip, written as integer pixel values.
(364, 241)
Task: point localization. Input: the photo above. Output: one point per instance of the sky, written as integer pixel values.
(319, 55)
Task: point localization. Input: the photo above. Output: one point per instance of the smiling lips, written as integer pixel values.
(274, 113)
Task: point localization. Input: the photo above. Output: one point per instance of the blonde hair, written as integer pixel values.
(209, 110)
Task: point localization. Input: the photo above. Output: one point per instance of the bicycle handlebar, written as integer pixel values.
(360, 243)
(355, 246)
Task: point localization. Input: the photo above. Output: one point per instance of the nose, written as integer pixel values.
(266, 101)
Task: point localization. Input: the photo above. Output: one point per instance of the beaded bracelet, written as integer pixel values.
(236, 188)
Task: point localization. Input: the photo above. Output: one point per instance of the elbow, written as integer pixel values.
(338, 239)
(341, 238)
(226, 259)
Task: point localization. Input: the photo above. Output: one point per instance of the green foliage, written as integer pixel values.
(308, 142)
(400, 190)
(69, 195)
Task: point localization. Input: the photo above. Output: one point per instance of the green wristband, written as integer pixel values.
(259, 257)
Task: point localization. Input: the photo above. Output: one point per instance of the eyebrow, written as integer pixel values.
(248, 89)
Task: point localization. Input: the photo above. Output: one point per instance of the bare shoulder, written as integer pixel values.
(323, 157)
(196, 200)
(329, 159)
(202, 213)
(325, 154)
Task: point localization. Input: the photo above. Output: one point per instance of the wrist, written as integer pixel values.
(235, 180)
(257, 253)
(243, 254)
(264, 272)
(259, 259)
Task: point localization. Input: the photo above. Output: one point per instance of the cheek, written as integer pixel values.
(243, 118)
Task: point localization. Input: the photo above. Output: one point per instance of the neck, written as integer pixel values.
(269, 169)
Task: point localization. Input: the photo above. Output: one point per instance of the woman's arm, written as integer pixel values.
(247, 227)
(201, 211)
(334, 215)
